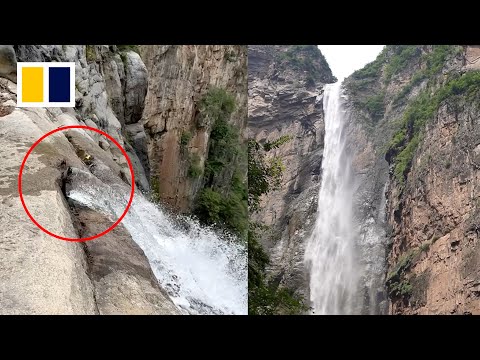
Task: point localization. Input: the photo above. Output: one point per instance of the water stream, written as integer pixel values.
(203, 272)
(330, 252)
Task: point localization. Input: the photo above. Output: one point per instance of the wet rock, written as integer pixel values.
(123, 281)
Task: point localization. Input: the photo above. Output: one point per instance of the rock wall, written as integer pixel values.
(122, 279)
(432, 209)
(178, 78)
(38, 273)
(285, 86)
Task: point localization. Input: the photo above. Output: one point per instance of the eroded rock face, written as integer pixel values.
(8, 63)
(38, 273)
(431, 219)
(135, 86)
(439, 213)
(283, 100)
(123, 281)
(110, 84)
(179, 77)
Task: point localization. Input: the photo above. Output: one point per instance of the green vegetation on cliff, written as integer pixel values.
(265, 175)
(433, 62)
(402, 147)
(90, 53)
(423, 64)
(223, 199)
(309, 59)
(397, 283)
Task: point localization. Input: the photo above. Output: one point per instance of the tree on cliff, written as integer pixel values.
(264, 175)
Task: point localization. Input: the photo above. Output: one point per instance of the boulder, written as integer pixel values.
(8, 63)
(135, 86)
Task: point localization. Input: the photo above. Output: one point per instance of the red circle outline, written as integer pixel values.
(38, 142)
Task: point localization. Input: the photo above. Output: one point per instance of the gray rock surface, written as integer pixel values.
(114, 75)
(8, 63)
(283, 102)
(432, 218)
(135, 86)
(123, 281)
(38, 273)
(137, 138)
(179, 77)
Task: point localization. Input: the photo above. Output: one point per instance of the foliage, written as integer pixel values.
(425, 246)
(401, 289)
(224, 145)
(277, 143)
(397, 283)
(217, 105)
(222, 203)
(195, 169)
(230, 56)
(375, 105)
(416, 79)
(405, 141)
(404, 159)
(307, 58)
(265, 299)
(434, 62)
(257, 257)
(214, 208)
(90, 53)
(394, 59)
(401, 58)
(371, 70)
(185, 138)
(155, 189)
(263, 175)
(210, 203)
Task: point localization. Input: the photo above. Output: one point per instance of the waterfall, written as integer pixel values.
(330, 251)
(203, 272)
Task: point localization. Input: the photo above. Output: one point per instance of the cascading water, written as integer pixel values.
(202, 272)
(330, 251)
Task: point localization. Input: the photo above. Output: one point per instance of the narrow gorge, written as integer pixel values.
(172, 108)
(378, 207)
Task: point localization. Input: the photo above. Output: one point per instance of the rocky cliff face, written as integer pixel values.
(285, 99)
(178, 133)
(419, 106)
(43, 275)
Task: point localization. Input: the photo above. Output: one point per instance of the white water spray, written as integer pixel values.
(202, 272)
(330, 251)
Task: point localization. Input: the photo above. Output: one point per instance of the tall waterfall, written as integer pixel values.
(202, 272)
(330, 251)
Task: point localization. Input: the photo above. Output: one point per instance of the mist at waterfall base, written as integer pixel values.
(330, 252)
(203, 272)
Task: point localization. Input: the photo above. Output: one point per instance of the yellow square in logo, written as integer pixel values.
(32, 84)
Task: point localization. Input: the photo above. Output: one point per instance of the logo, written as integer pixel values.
(45, 84)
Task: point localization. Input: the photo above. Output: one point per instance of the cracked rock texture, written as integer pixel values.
(40, 274)
(284, 100)
(178, 78)
(432, 221)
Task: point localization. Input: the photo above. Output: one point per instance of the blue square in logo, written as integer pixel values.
(59, 84)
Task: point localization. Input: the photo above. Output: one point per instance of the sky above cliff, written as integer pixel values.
(345, 59)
